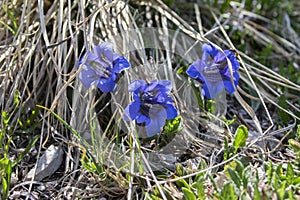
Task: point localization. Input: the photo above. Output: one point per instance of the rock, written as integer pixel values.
(48, 163)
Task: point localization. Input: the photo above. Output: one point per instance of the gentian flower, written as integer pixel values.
(212, 70)
(102, 66)
(152, 105)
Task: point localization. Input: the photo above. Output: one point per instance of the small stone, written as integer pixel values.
(48, 163)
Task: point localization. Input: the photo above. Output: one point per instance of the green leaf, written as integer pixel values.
(179, 169)
(227, 121)
(6, 147)
(4, 188)
(88, 164)
(169, 131)
(5, 169)
(241, 136)
(279, 172)
(153, 197)
(199, 186)
(270, 172)
(171, 127)
(8, 27)
(211, 106)
(235, 177)
(245, 176)
(257, 194)
(182, 183)
(11, 15)
(202, 165)
(239, 167)
(296, 181)
(298, 133)
(226, 149)
(188, 194)
(295, 145)
(281, 191)
(5, 118)
(290, 174)
(16, 98)
(275, 181)
(291, 195)
(213, 182)
(228, 192)
(182, 70)
(1, 137)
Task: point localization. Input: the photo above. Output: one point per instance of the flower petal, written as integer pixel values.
(163, 98)
(212, 64)
(228, 86)
(211, 90)
(219, 58)
(226, 74)
(236, 77)
(126, 116)
(151, 86)
(142, 118)
(235, 64)
(154, 127)
(120, 64)
(210, 49)
(163, 86)
(157, 122)
(105, 49)
(171, 111)
(89, 57)
(107, 85)
(93, 56)
(192, 71)
(136, 85)
(87, 76)
(115, 56)
(131, 112)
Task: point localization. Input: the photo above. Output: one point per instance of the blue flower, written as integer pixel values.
(102, 66)
(152, 105)
(212, 70)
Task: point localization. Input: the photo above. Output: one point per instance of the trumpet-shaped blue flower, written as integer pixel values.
(152, 105)
(102, 66)
(212, 70)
